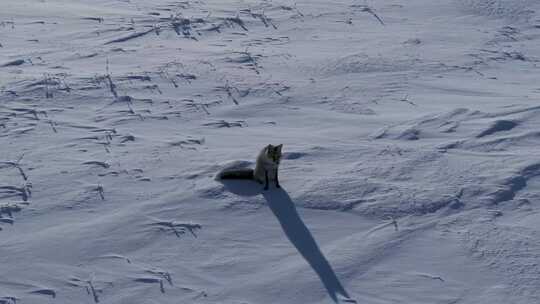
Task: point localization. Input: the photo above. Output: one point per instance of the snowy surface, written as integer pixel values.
(411, 132)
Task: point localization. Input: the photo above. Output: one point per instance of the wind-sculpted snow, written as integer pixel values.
(511, 9)
(362, 63)
(409, 174)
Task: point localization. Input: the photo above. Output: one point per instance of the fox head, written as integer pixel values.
(274, 153)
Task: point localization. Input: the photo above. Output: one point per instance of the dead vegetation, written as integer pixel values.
(367, 9)
(176, 227)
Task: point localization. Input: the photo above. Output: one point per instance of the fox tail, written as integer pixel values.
(237, 174)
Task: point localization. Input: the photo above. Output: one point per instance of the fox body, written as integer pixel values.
(266, 168)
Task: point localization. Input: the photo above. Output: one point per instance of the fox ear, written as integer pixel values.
(278, 147)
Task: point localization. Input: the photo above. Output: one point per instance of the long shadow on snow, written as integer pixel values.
(296, 231)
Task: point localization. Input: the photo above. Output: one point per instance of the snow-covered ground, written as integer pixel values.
(411, 133)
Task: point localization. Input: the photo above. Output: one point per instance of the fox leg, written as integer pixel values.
(266, 178)
(277, 181)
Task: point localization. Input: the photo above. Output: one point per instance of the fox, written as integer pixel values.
(266, 168)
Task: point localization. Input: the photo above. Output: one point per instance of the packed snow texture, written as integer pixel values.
(410, 173)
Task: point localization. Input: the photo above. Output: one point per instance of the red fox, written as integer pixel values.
(266, 168)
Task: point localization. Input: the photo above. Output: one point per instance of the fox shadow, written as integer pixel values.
(284, 209)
